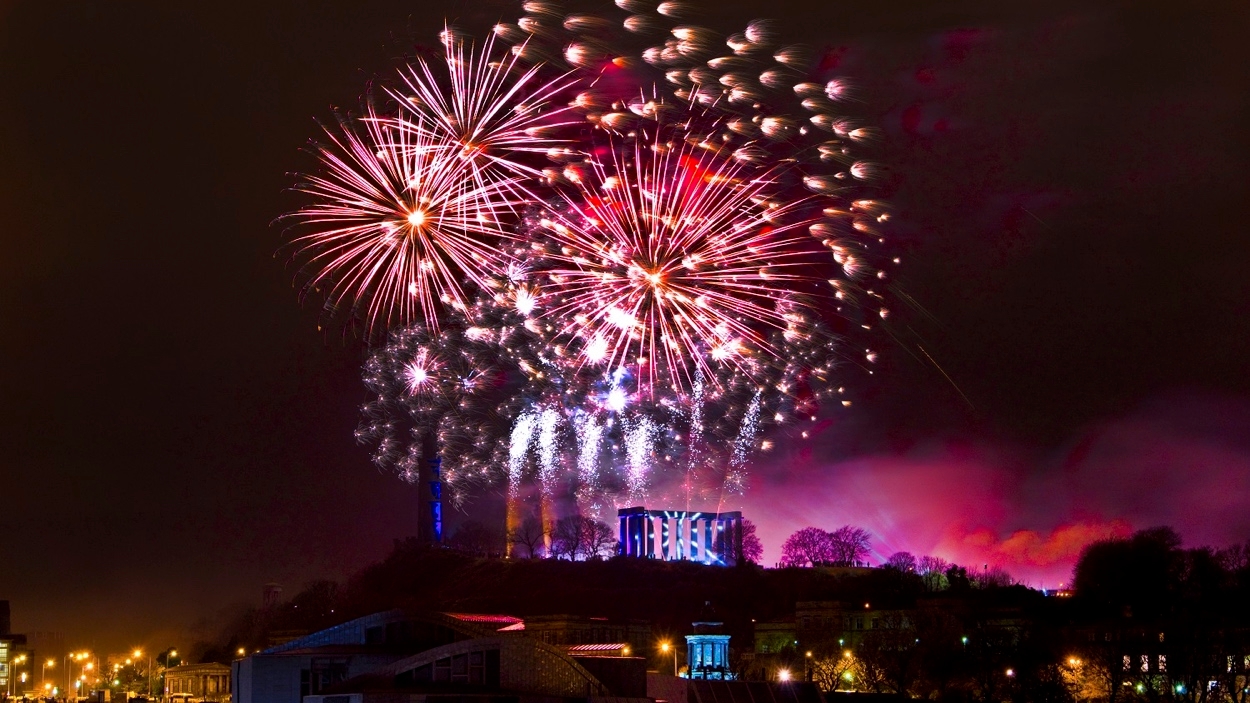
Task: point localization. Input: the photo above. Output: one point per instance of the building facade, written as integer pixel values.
(681, 535)
(193, 683)
(427, 657)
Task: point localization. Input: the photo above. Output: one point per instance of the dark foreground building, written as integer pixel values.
(403, 657)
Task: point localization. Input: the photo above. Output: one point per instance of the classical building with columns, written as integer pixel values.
(196, 683)
(681, 535)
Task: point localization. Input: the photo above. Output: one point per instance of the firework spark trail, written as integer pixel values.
(589, 444)
(695, 434)
(488, 111)
(522, 438)
(639, 447)
(667, 262)
(548, 449)
(394, 228)
(744, 445)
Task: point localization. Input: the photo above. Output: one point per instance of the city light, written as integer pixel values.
(783, 675)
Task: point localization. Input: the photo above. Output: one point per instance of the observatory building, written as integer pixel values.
(710, 538)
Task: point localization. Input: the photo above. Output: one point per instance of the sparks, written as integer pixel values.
(677, 267)
(394, 229)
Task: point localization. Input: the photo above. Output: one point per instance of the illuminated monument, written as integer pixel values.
(707, 650)
(711, 538)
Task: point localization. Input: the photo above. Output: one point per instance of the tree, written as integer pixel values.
(807, 547)
(752, 549)
(527, 539)
(957, 578)
(849, 545)
(901, 561)
(996, 577)
(932, 571)
(845, 546)
(830, 669)
(889, 654)
(1137, 573)
(579, 538)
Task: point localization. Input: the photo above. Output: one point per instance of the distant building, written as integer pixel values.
(681, 535)
(420, 657)
(707, 650)
(271, 596)
(567, 630)
(197, 683)
(14, 657)
(831, 625)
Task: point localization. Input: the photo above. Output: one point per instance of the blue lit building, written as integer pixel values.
(707, 652)
(681, 535)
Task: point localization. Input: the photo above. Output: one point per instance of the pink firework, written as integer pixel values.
(488, 108)
(395, 229)
(668, 259)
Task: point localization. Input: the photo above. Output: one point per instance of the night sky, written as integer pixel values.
(1069, 184)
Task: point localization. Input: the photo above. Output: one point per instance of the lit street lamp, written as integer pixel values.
(665, 647)
(13, 674)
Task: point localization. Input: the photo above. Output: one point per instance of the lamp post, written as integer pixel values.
(13, 674)
(665, 647)
(43, 673)
(807, 666)
(138, 657)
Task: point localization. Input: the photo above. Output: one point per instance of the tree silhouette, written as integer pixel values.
(807, 547)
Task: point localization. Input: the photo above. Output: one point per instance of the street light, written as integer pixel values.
(665, 647)
(138, 654)
(12, 678)
(783, 675)
(807, 666)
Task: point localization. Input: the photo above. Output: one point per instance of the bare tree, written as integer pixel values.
(602, 541)
(996, 577)
(933, 571)
(807, 547)
(830, 669)
(527, 539)
(849, 545)
(577, 537)
(902, 561)
(752, 548)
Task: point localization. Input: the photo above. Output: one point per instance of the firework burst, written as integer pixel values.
(493, 113)
(394, 230)
(667, 259)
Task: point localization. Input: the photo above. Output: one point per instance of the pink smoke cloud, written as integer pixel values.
(1182, 461)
